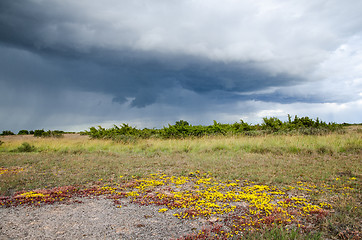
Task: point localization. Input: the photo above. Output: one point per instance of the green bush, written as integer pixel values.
(7, 132)
(55, 133)
(45, 134)
(38, 133)
(23, 132)
(25, 147)
(273, 124)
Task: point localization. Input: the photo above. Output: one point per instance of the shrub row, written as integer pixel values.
(182, 129)
(7, 132)
(36, 133)
(49, 133)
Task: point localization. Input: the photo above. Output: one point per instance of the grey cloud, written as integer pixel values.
(142, 55)
(142, 79)
(285, 36)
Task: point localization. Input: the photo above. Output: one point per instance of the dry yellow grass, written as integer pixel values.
(270, 158)
(277, 144)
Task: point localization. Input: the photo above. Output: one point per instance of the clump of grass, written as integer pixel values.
(352, 147)
(126, 139)
(279, 233)
(25, 147)
(325, 150)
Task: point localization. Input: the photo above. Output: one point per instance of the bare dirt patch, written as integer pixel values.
(93, 218)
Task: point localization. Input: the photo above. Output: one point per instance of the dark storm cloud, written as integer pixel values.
(24, 24)
(121, 72)
(142, 79)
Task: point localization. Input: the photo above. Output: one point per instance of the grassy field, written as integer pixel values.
(330, 163)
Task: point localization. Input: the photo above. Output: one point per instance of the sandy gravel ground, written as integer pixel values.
(94, 218)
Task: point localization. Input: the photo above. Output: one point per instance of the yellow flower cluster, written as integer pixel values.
(10, 170)
(202, 195)
(41, 196)
(163, 210)
(32, 194)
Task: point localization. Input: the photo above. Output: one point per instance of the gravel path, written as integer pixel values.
(94, 218)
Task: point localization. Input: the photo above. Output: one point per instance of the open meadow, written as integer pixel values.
(252, 187)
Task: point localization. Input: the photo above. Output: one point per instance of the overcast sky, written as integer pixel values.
(70, 65)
